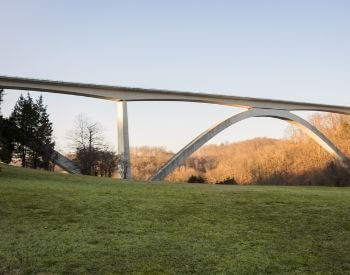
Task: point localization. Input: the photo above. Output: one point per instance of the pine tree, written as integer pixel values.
(43, 137)
(1, 95)
(23, 118)
(6, 136)
(1, 128)
(34, 145)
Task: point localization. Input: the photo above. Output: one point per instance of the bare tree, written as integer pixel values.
(87, 134)
(92, 154)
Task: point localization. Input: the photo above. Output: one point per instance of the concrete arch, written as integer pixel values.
(293, 119)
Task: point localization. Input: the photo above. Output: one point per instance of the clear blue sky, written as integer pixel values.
(296, 50)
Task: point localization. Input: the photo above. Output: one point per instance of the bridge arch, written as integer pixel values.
(291, 118)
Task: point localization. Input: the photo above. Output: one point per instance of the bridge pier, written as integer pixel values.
(123, 140)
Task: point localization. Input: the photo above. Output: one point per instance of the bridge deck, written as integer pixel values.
(116, 93)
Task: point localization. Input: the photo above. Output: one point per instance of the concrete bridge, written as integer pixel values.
(255, 107)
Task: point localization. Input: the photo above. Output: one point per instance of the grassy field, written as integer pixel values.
(54, 223)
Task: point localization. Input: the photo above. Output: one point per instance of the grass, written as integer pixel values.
(54, 223)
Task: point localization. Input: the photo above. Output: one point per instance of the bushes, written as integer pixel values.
(196, 179)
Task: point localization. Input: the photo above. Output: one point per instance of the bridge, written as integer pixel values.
(254, 107)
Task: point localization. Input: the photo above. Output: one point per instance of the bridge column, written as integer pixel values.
(123, 140)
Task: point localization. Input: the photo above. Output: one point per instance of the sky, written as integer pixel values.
(293, 50)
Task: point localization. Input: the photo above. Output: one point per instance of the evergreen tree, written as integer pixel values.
(6, 136)
(43, 137)
(1, 126)
(1, 95)
(6, 140)
(24, 118)
(33, 134)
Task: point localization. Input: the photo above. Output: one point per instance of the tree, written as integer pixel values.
(87, 139)
(145, 160)
(86, 133)
(87, 160)
(32, 133)
(6, 136)
(108, 162)
(23, 117)
(1, 122)
(91, 154)
(44, 146)
(1, 96)
(7, 144)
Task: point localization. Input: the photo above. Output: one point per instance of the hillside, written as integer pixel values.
(54, 223)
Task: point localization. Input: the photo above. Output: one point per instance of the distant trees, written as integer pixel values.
(146, 160)
(31, 132)
(91, 153)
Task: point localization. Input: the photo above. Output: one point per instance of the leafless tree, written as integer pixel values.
(87, 134)
(92, 154)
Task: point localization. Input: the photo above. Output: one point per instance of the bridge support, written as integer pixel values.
(65, 163)
(123, 140)
(295, 120)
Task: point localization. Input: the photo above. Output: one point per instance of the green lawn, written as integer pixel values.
(54, 223)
